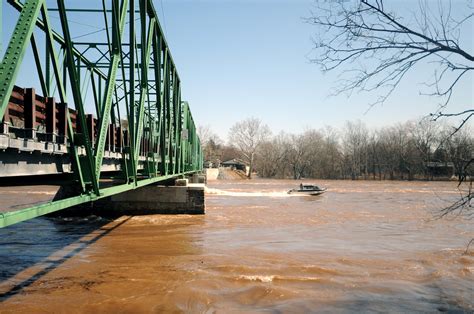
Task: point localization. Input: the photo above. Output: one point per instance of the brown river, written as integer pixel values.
(360, 247)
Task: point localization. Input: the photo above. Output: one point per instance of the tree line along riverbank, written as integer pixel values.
(414, 150)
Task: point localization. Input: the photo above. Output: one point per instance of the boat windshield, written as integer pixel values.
(310, 187)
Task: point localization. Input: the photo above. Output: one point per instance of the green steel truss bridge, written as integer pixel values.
(106, 113)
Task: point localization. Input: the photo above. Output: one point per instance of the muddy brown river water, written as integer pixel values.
(360, 247)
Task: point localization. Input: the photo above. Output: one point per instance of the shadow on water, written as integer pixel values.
(32, 249)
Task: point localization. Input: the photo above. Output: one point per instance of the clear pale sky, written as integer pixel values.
(242, 58)
(250, 58)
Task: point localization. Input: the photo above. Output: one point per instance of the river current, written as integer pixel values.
(360, 247)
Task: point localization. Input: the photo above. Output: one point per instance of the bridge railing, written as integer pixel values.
(113, 92)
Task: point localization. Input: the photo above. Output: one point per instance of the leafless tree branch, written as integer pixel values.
(376, 48)
(385, 47)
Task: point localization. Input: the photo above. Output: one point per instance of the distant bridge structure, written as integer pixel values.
(106, 114)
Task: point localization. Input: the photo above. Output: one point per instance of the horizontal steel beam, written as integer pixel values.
(86, 10)
(13, 217)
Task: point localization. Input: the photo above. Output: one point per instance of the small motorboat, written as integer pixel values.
(308, 189)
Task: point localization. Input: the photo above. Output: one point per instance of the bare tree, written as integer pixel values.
(425, 136)
(272, 156)
(407, 151)
(211, 145)
(247, 136)
(301, 152)
(330, 160)
(314, 140)
(381, 47)
(385, 46)
(355, 145)
(206, 134)
(458, 149)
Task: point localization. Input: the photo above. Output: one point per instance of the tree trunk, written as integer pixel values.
(250, 167)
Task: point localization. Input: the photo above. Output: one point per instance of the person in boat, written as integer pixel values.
(301, 186)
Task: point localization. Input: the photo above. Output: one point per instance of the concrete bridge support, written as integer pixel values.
(181, 198)
(159, 200)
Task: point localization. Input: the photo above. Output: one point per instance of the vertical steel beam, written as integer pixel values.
(166, 111)
(95, 95)
(158, 106)
(39, 69)
(118, 25)
(146, 54)
(131, 118)
(53, 56)
(47, 66)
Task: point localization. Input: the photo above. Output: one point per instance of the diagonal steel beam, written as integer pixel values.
(87, 161)
(16, 49)
(143, 91)
(51, 52)
(110, 84)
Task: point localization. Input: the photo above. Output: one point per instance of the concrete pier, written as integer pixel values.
(182, 198)
(160, 200)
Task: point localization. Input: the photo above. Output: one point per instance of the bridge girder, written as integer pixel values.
(132, 84)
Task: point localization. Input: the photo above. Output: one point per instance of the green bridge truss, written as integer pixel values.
(126, 74)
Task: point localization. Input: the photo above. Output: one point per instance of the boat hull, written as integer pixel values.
(301, 192)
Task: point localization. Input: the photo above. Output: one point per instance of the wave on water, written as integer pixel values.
(271, 278)
(393, 191)
(214, 191)
(260, 278)
(283, 193)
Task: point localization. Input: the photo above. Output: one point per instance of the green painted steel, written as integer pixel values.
(106, 105)
(1, 33)
(13, 217)
(140, 93)
(16, 50)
